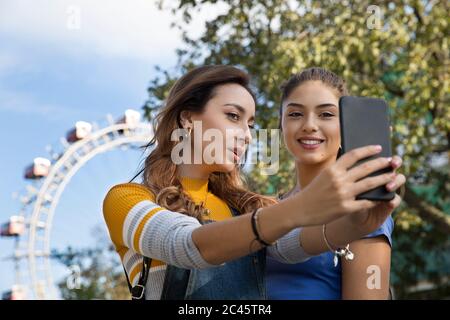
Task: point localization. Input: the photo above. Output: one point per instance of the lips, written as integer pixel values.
(237, 152)
(310, 142)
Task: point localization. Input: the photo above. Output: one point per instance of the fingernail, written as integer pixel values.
(391, 185)
(389, 159)
(378, 147)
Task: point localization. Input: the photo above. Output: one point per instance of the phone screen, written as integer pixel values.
(365, 121)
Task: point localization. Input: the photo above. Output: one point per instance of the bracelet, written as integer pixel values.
(255, 225)
(341, 252)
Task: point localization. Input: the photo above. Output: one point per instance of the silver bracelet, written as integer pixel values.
(341, 252)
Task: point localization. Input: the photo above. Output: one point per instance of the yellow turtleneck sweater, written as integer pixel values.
(128, 208)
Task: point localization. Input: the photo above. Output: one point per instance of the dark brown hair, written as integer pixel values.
(329, 78)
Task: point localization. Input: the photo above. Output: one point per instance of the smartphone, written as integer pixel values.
(365, 121)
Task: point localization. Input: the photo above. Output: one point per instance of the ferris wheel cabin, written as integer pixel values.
(81, 130)
(38, 169)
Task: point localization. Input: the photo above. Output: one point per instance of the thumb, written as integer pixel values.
(394, 203)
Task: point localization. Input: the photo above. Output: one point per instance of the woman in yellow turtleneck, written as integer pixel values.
(124, 200)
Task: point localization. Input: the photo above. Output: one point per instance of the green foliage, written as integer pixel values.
(101, 277)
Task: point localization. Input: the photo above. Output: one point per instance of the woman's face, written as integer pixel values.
(226, 122)
(310, 123)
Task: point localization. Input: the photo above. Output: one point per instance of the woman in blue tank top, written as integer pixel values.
(309, 120)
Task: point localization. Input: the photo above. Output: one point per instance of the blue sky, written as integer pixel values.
(64, 61)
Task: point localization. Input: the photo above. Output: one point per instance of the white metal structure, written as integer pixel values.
(32, 247)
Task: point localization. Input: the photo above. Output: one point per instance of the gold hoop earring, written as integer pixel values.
(187, 135)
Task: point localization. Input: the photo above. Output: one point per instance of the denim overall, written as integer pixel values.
(240, 279)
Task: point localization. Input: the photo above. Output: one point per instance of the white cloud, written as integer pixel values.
(109, 28)
(23, 103)
(14, 62)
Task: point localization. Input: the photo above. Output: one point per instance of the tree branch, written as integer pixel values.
(426, 211)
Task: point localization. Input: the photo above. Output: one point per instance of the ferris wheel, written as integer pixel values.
(31, 227)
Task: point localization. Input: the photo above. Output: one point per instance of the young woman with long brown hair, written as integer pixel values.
(168, 217)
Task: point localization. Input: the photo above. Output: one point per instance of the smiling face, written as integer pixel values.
(310, 123)
(230, 111)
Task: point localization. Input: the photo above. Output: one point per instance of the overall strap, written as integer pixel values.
(234, 211)
(138, 291)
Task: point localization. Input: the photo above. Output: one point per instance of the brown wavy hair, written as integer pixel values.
(191, 92)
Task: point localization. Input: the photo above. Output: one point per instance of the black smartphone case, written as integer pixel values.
(365, 121)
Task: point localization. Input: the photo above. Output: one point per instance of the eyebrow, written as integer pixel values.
(240, 108)
(322, 105)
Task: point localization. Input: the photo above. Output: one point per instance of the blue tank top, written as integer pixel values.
(315, 279)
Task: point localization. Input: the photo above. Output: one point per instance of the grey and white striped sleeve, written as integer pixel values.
(166, 236)
(288, 249)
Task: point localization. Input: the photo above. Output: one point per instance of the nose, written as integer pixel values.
(243, 136)
(310, 124)
(248, 136)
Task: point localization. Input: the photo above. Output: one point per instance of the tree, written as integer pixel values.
(95, 272)
(396, 50)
